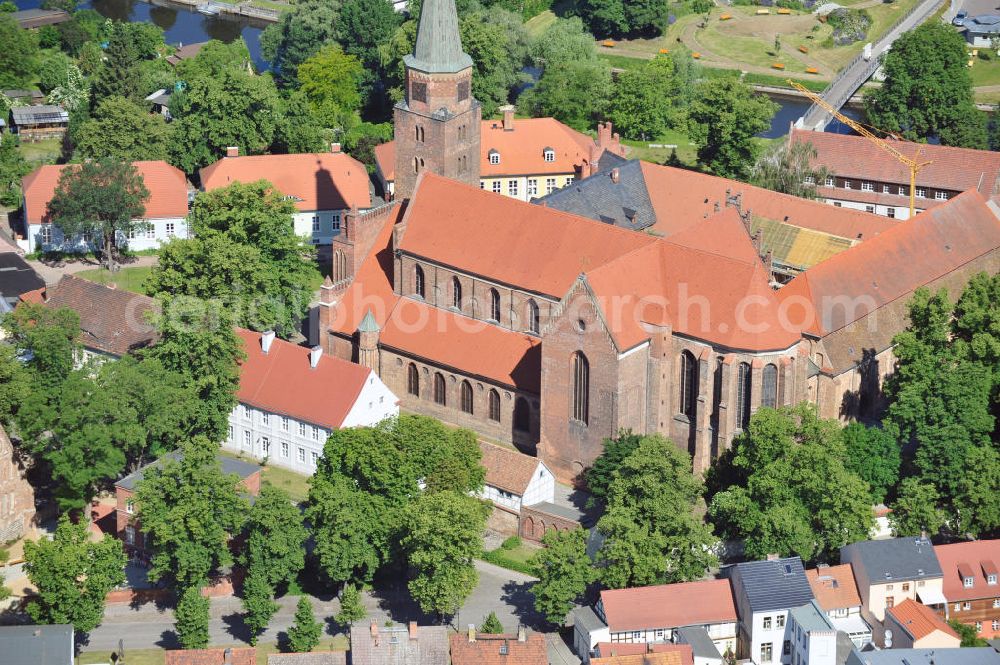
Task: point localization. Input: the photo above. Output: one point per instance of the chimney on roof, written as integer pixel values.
(472, 632)
(522, 634)
(773, 556)
(227, 656)
(615, 175)
(266, 338)
(314, 355)
(413, 630)
(508, 117)
(233, 151)
(334, 147)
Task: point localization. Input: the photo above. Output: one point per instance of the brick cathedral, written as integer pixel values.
(552, 331)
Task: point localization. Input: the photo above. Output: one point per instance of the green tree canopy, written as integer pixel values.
(874, 455)
(275, 538)
(303, 635)
(351, 608)
(330, 80)
(298, 35)
(927, 90)
(19, 55)
(214, 58)
(916, 509)
(104, 198)
(564, 571)
(258, 601)
(13, 167)
(498, 45)
(649, 99)
(191, 619)
(602, 471)
(50, 338)
(787, 168)
(564, 40)
(725, 117)
(491, 625)
(73, 574)
(575, 93)
(123, 130)
(120, 74)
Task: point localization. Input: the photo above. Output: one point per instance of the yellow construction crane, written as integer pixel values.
(911, 162)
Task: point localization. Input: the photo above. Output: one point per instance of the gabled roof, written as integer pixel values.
(613, 197)
(167, 185)
(777, 584)
(37, 645)
(499, 650)
(654, 658)
(186, 51)
(893, 559)
(229, 465)
(282, 381)
(217, 656)
(967, 656)
(918, 620)
(978, 559)
(314, 181)
(955, 169)
(508, 469)
(40, 114)
(111, 320)
(669, 605)
(394, 644)
(612, 652)
(834, 587)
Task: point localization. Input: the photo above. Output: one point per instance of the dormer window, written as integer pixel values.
(494, 157)
(549, 154)
(968, 582)
(991, 579)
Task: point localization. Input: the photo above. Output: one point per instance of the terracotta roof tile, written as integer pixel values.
(317, 181)
(981, 557)
(282, 381)
(487, 650)
(608, 650)
(508, 469)
(669, 605)
(240, 656)
(919, 620)
(956, 169)
(655, 658)
(168, 193)
(834, 587)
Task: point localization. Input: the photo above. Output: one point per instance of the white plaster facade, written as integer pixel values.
(49, 237)
(723, 635)
(319, 227)
(541, 489)
(769, 631)
(901, 211)
(814, 641)
(526, 187)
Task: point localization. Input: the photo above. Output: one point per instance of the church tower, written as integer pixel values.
(437, 123)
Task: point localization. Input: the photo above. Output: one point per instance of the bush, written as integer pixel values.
(790, 4)
(849, 25)
(511, 543)
(701, 6)
(499, 558)
(984, 54)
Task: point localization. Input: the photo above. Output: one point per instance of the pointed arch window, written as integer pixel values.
(533, 322)
(580, 385)
(769, 386)
(743, 396)
(440, 395)
(494, 400)
(494, 305)
(456, 293)
(466, 395)
(687, 385)
(412, 380)
(418, 281)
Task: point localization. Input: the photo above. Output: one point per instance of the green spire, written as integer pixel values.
(439, 45)
(368, 324)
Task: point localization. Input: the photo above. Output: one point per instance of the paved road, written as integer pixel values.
(500, 590)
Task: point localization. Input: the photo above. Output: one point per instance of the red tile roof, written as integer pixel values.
(608, 650)
(185, 52)
(508, 469)
(521, 149)
(955, 169)
(897, 262)
(919, 620)
(654, 658)
(240, 656)
(834, 587)
(486, 650)
(283, 382)
(168, 193)
(317, 181)
(669, 605)
(980, 557)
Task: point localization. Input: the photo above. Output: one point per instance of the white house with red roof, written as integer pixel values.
(971, 584)
(292, 397)
(323, 186)
(165, 217)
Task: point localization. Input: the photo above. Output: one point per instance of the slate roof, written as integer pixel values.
(438, 47)
(498, 650)
(16, 277)
(587, 618)
(37, 645)
(967, 656)
(623, 203)
(894, 559)
(701, 644)
(812, 618)
(314, 658)
(393, 645)
(228, 464)
(779, 584)
(37, 115)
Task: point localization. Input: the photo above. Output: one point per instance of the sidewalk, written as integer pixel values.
(51, 275)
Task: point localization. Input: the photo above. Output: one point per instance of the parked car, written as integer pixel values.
(960, 17)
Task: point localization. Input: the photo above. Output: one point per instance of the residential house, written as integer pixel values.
(814, 637)
(185, 51)
(291, 398)
(609, 652)
(888, 572)
(160, 102)
(32, 97)
(127, 512)
(113, 322)
(862, 176)
(216, 656)
(513, 482)
(165, 217)
(37, 123)
(38, 645)
(836, 594)
(970, 584)
(17, 277)
(969, 656)
(17, 497)
(910, 625)
(766, 592)
(981, 30)
(325, 187)
(399, 645)
(522, 648)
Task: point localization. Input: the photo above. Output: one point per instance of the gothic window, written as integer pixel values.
(467, 397)
(769, 386)
(463, 90)
(494, 400)
(522, 415)
(439, 389)
(418, 91)
(418, 281)
(495, 305)
(580, 384)
(743, 396)
(420, 133)
(533, 323)
(412, 380)
(456, 293)
(687, 384)
(339, 266)
(416, 165)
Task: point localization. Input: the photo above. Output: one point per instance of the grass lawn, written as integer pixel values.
(537, 24)
(128, 279)
(295, 484)
(42, 152)
(985, 72)
(685, 151)
(157, 657)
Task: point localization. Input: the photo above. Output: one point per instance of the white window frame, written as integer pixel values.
(549, 155)
(494, 157)
(129, 534)
(550, 185)
(302, 429)
(130, 506)
(335, 220)
(867, 186)
(284, 423)
(921, 192)
(885, 189)
(170, 229)
(830, 182)
(315, 224)
(301, 456)
(532, 186)
(46, 234)
(512, 188)
(847, 184)
(247, 440)
(810, 180)
(265, 446)
(941, 196)
(315, 458)
(968, 582)
(991, 579)
(150, 232)
(284, 449)
(497, 186)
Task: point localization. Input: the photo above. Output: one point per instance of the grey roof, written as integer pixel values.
(37, 645)
(811, 617)
(956, 656)
(16, 277)
(161, 96)
(31, 115)
(559, 510)
(229, 465)
(894, 559)
(587, 619)
(314, 658)
(778, 584)
(845, 647)
(392, 645)
(701, 644)
(439, 45)
(624, 203)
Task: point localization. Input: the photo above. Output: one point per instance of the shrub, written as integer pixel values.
(701, 6)
(849, 25)
(510, 543)
(790, 4)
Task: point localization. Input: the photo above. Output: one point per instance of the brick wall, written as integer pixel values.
(534, 523)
